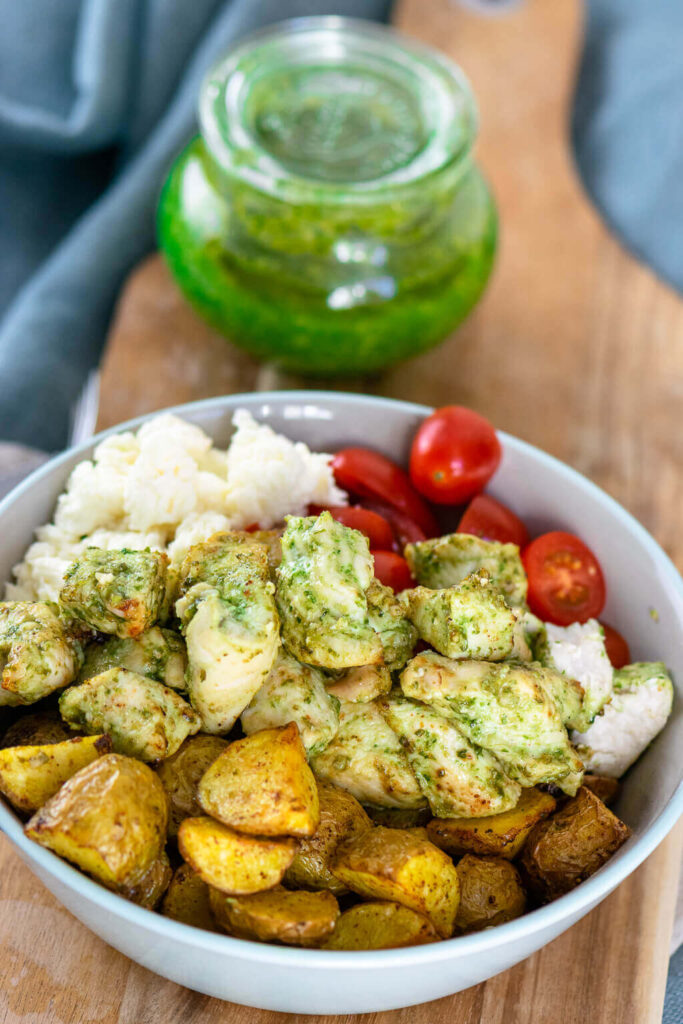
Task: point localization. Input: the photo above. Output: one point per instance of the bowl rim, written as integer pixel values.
(569, 907)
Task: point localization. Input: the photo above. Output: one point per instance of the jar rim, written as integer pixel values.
(447, 105)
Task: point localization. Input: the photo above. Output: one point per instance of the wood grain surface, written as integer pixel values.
(575, 347)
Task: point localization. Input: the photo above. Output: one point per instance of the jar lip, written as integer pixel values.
(450, 113)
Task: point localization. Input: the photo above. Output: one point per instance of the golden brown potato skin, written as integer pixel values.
(29, 776)
(381, 925)
(501, 835)
(234, 863)
(490, 893)
(571, 845)
(605, 788)
(262, 785)
(180, 775)
(187, 900)
(341, 816)
(36, 729)
(293, 918)
(147, 892)
(109, 819)
(393, 864)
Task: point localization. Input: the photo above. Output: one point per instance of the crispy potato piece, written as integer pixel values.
(109, 819)
(293, 918)
(399, 817)
(571, 845)
(604, 787)
(187, 900)
(37, 729)
(501, 835)
(361, 684)
(381, 925)
(232, 862)
(180, 775)
(29, 776)
(262, 785)
(341, 816)
(490, 893)
(147, 892)
(385, 863)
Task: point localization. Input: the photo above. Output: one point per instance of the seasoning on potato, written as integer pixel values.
(262, 785)
(187, 900)
(392, 864)
(381, 925)
(230, 861)
(293, 918)
(490, 893)
(180, 775)
(501, 835)
(571, 845)
(604, 787)
(37, 729)
(29, 776)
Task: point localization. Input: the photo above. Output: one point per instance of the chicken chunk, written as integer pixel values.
(231, 627)
(361, 684)
(470, 620)
(294, 693)
(457, 778)
(389, 620)
(157, 653)
(502, 708)
(322, 581)
(579, 652)
(367, 759)
(447, 561)
(37, 654)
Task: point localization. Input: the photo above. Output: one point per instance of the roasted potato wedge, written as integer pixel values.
(37, 729)
(381, 925)
(109, 819)
(605, 788)
(341, 816)
(147, 892)
(180, 775)
(262, 785)
(29, 776)
(490, 893)
(385, 863)
(571, 845)
(187, 900)
(501, 835)
(293, 918)
(230, 861)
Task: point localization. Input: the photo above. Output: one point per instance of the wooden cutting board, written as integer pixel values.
(576, 348)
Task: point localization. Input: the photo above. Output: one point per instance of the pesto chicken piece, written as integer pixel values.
(366, 759)
(578, 652)
(448, 560)
(388, 618)
(157, 653)
(470, 620)
(117, 592)
(322, 582)
(144, 719)
(528, 636)
(459, 779)
(230, 624)
(638, 711)
(361, 684)
(503, 708)
(37, 653)
(294, 693)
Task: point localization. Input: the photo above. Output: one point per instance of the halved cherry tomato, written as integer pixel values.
(392, 570)
(371, 475)
(485, 517)
(454, 455)
(616, 647)
(565, 579)
(405, 529)
(374, 526)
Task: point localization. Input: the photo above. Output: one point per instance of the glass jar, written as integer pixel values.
(330, 216)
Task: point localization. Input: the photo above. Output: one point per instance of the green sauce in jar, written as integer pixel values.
(329, 216)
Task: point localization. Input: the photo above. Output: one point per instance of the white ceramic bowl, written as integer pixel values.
(548, 495)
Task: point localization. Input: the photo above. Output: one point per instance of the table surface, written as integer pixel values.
(576, 348)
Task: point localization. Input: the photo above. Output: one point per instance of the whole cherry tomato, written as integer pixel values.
(565, 579)
(374, 526)
(392, 570)
(485, 517)
(454, 455)
(406, 530)
(371, 475)
(616, 647)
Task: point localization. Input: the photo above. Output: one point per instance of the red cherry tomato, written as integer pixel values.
(392, 570)
(565, 579)
(372, 475)
(454, 455)
(616, 647)
(405, 529)
(374, 526)
(485, 517)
